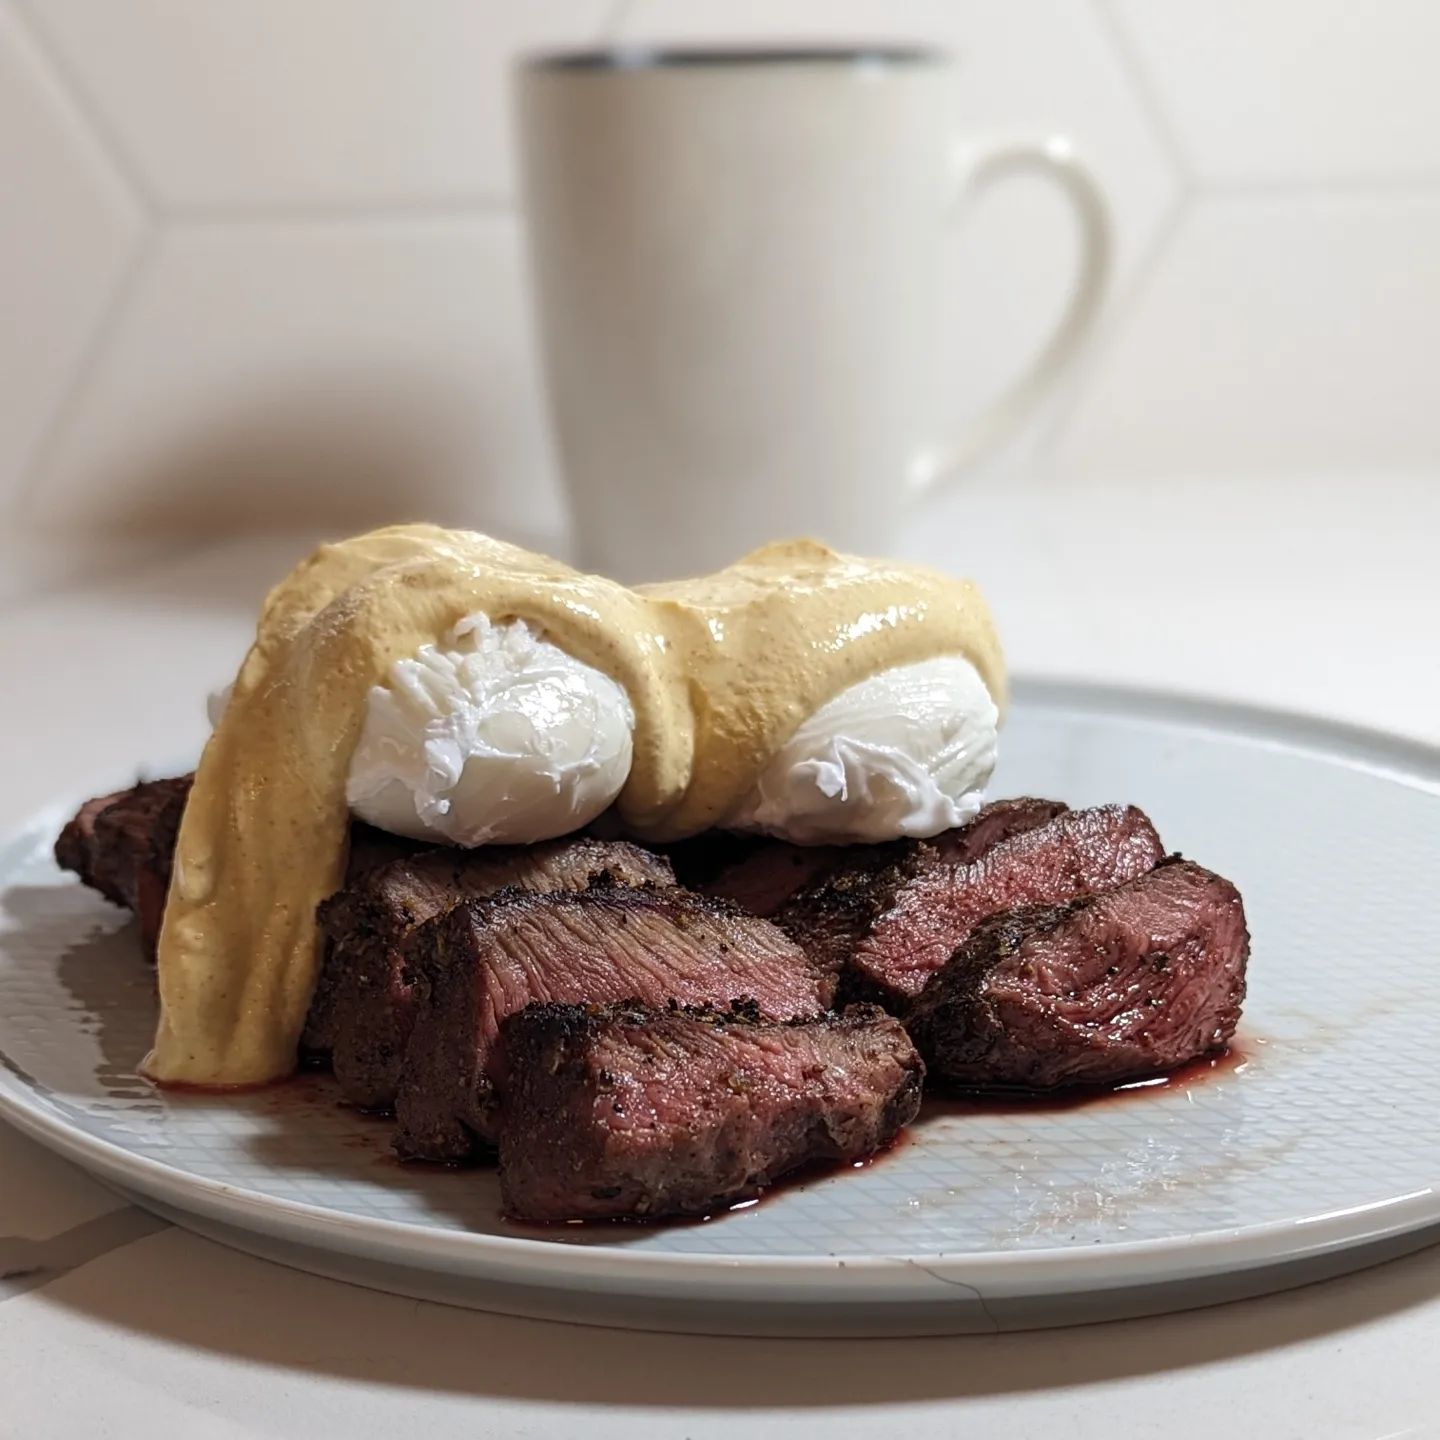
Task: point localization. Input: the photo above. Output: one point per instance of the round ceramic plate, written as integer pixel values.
(1313, 1149)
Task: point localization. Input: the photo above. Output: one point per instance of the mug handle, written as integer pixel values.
(1055, 159)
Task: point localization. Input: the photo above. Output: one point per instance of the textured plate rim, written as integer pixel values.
(553, 1264)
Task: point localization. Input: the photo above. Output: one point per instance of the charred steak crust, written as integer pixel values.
(74, 847)
(624, 1111)
(758, 874)
(152, 883)
(487, 959)
(123, 846)
(999, 820)
(371, 851)
(834, 915)
(703, 858)
(1111, 987)
(364, 1006)
(937, 903)
(831, 916)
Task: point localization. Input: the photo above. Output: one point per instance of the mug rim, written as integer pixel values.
(625, 59)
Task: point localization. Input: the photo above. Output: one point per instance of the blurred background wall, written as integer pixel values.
(261, 263)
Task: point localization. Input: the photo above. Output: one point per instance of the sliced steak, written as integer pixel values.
(364, 1004)
(765, 878)
(75, 847)
(755, 872)
(152, 882)
(999, 820)
(370, 851)
(762, 875)
(889, 916)
(700, 859)
(1107, 988)
(487, 959)
(831, 915)
(123, 845)
(623, 1111)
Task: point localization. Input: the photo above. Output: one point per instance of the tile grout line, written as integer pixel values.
(132, 178)
(91, 116)
(1122, 46)
(1192, 186)
(1122, 305)
(107, 323)
(393, 212)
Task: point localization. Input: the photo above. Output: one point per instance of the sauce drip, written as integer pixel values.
(1195, 1072)
(720, 671)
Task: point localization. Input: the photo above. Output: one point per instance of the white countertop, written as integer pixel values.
(1317, 597)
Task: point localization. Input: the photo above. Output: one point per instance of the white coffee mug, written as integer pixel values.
(737, 257)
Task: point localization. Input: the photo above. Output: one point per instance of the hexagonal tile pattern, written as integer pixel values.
(1279, 336)
(1015, 250)
(330, 102)
(1272, 90)
(338, 373)
(68, 232)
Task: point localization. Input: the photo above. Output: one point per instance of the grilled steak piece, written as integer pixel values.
(762, 875)
(999, 820)
(762, 880)
(489, 958)
(623, 1111)
(701, 858)
(885, 919)
(365, 985)
(370, 850)
(1107, 988)
(152, 883)
(75, 847)
(755, 872)
(123, 844)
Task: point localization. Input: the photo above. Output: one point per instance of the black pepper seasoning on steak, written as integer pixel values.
(623, 1111)
(1104, 989)
(489, 958)
(885, 919)
(370, 851)
(123, 845)
(365, 997)
(756, 873)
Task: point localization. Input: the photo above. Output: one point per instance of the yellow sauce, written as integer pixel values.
(720, 671)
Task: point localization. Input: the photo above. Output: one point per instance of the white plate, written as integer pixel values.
(1318, 1152)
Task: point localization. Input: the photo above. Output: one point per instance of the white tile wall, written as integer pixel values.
(68, 231)
(304, 103)
(260, 263)
(309, 369)
(1297, 90)
(1285, 335)
(1015, 251)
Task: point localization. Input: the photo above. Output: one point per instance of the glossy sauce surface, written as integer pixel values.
(720, 671)
(1032, 1102)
